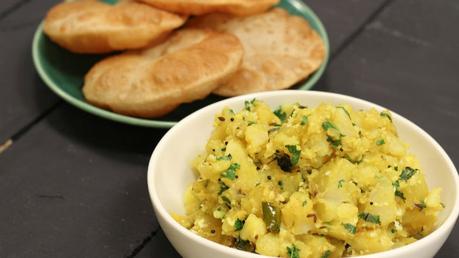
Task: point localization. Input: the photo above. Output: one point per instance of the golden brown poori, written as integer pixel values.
(229, 48)
(154, 81)
(280, 50)
(200, 7)
(91, 26)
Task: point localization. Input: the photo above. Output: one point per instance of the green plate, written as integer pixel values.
(64, 72)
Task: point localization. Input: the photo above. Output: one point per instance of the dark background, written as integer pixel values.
(74, 185)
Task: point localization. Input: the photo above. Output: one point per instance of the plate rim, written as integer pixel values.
(90, 108)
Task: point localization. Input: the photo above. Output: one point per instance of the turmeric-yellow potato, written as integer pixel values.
(303, 182)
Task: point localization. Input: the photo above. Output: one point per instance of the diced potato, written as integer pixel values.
(316, 150)
(433, 200)
(342, 226)
(418, 223)
(295, 213)
(210, 228)
(381, 201)
(256, 136)
(308, 182)
(347, 213)
(254, 228)
(415, 189)
(394, 146)
(281, 140)
(371, 241)
(304, 250)
(265, 114)
(343, 121)
(247, 176)
(229, 221)
(318, 245)
(268, 245)
(365, 175)
(261, 193)
(185, 221)
(191, 201)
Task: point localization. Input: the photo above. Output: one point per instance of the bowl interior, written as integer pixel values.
(64, 72)
(170, 169)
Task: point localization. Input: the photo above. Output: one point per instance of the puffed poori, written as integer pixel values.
(199, 7)
(280, 50)
(90, 26)
(152, 82)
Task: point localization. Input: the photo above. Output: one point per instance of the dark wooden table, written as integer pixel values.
(74, 185)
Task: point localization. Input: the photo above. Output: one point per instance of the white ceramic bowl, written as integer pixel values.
(169, 173)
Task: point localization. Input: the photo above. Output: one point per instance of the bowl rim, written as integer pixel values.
(161, 211)
(37, 58)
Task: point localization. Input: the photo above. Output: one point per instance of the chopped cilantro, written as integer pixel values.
(227, 157)
(295, 154)
(334, 142)
(304, 203)
(386, 114)
(304, 120)
(328, 125)
(248, 105)
(238, 224)
(340, 183)
(368, 217)
(326, 254)
(345, 111)
(397, 192)
(407, 173)
(396, 184)
(380, 142)
(230, 173)
(280, 114)
(400, 194)
(251, 123)
(293, 252)
(349, 227)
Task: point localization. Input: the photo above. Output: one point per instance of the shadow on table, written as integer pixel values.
(108, 164)
(106, 136)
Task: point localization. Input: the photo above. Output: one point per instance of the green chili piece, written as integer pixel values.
(271, 217)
